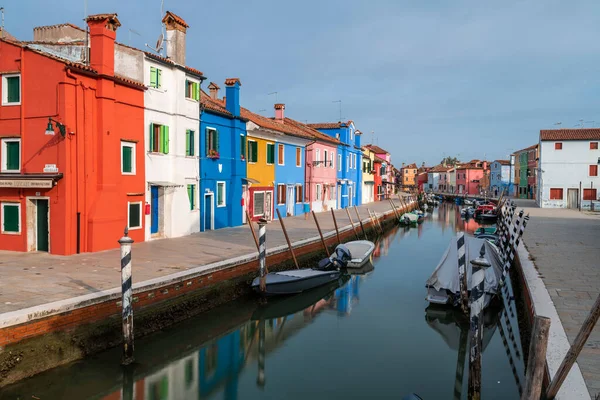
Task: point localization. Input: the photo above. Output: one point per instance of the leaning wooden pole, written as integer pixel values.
(352, 223)
(252, 230)
(573, 353)
(394, 208)
(337, 232)
(320, 234)
(536, 362)
(287, 239)
(361, 223)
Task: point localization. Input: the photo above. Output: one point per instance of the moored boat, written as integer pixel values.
(361, 252)
(485, 230)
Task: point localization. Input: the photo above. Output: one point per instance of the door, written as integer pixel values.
(42, 231)
(268, 204)
(208, 212)
(573, 198)
(153, 209)
(350, 198)
(244, 203)
(291, 199)
(339, 196)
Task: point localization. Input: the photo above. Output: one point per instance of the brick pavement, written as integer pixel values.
(565, 248)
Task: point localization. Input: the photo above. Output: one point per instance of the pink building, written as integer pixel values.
(469, 177)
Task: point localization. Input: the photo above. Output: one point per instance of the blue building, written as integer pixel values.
(222, 158)
(502, 177)
(348, 163)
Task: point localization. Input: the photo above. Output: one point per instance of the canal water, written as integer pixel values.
(373, 337)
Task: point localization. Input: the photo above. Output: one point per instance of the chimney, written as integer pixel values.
(232, 98)
(214, 90)
(103, 32)
(485, 164)
(279, 112)
(176, 28)
(403, 164)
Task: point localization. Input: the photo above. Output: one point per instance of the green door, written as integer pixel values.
(42, 225)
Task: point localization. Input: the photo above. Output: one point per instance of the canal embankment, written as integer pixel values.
(59, 309)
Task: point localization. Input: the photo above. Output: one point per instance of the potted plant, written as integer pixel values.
(213, 154)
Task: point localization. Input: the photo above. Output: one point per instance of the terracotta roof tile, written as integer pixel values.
(120, 78)
(534, 146)
(410, 166)
(502, 162)
(171, 62)
(216, 105)
(175, 18)
(59, 26)
(376, 149)
(232, 81)
(111, 17)
(379, 160)
(329, 125)
(213, 85)
(570, 134)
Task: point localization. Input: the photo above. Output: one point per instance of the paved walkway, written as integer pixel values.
(565, 248)
(31, 279)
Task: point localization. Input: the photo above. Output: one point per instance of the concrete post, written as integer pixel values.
(126, 298)
(262, 253)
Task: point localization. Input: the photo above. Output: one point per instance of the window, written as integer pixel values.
(190, 143)
(191, 191)
(347, 163)
(331, 158)
(325, 154)
(318, 189)
(155, 77)
(593, 145)
(259, 204)
(593, 170)
(298, 193)
(11, 218)
(221, 194)
(252, 151)
(159, 139)
(11, 89)
(298, 157)
(339, 162)
(354, 161)
(243, 146)
(555, 194)
(192, 90)
(212, 143)
(280, 154)
(589, 194)
(317, 157)
(558, 146)
(280, 194)
(134, 215)
(11, 155)
(128, 158)
(270, 153)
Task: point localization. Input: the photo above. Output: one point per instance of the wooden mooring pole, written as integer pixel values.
(352, 223)
(320, 234)
(573, 353)
(536, 362)
(252, 230)
(337, 232)
(126, 298)
(287, 239)
(361, 223)
(395, 211)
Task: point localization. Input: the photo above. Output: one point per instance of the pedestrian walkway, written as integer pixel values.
(31, 279)
(564, 246)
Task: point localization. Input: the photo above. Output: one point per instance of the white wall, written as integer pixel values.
(565, 169)
(368, 192)
(433, 180)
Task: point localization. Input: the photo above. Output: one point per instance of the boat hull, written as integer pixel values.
(294, 282)
(361, 251)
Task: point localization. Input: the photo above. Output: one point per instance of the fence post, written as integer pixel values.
(536, 362)
(262, 253)
(126, 298)
(462, 273)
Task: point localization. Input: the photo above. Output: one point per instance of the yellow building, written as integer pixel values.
(368, 178)
(409, 175)
(260, 175)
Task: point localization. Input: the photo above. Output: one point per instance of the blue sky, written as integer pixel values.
(429, 78)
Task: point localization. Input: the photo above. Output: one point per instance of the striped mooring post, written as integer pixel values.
(462, 272)
(126, 298)
(476, 326)
(262, 253)
(261, 378)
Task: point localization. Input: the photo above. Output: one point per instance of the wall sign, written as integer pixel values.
(26, 183)
(50, 168)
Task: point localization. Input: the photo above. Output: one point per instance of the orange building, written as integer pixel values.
(409, 175)
(72, 137)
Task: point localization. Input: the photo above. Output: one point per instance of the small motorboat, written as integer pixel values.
(467, 211)
(485, 230)
(468, 202)
(409, 218)
(361, 252)
(486, 212)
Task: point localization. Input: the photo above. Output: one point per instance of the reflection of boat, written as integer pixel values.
(364, 270)
(360, 251)
(286, 305)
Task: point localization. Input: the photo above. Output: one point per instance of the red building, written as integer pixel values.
(532, 167)
(422, 180)
(470, 177)
(72, 177)
(380, 171)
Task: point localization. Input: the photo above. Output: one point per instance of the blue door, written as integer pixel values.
(153, 209)
(208, 212)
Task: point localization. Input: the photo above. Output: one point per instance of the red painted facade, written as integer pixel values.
(89, 197)
(378, 189)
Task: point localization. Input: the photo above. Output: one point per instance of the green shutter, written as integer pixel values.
(187, 89)
(220, 194)
(151, 137)
(153, 82)
(187, 142)
(192, 143)
(13, 156)
(190, 190)
(158, 78)
(196, 91)
(13, 89)
(10, 218)
(255, 151)
(207, 134)
(270, 153)
(216, 141)
(165, 139)
(127, 159)
(243, 145)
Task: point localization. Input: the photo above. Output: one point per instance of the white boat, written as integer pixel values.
(361, 252)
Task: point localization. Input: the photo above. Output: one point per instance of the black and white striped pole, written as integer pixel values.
(262, 253)
(462, 273)
(476, 326)
(126, 298)
(261, 379)
(516, 239)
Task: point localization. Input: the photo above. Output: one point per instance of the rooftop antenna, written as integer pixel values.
(591, 122)
(339, 101)
(558, 124)
(161, 38)
(275, 93)
(86, 54)
(372, 137)
(134, 32)
(2, 27)
(581, 123)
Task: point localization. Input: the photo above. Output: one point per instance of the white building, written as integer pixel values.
(568, 168)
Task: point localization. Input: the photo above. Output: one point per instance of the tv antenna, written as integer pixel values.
(372, 137)
(161, 38)
(2, 26)
(339, 101)
(558, 124)
(134, 32)
(273, 93)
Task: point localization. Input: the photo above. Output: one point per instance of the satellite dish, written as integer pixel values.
(159, 42)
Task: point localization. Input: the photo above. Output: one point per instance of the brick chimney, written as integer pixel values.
(214, 90)
(279, 112)
(103, 32)
(176, 29)
(232, 96)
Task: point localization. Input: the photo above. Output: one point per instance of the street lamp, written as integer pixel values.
(50, 129)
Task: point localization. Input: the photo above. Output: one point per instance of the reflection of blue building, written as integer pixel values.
(347, 295)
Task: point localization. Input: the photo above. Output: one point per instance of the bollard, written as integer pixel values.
(476, 326)
(262, 253)
(261, 379)
(126, 298)
(462, 273)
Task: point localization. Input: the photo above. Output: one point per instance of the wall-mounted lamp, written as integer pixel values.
(50, 129)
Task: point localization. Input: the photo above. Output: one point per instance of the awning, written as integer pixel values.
(34, 181)
(369, 182)
(164, 184)
(250, 180)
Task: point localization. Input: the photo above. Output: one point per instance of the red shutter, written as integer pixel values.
(589, 194)
(556, 194)
(557, 146)
(593, 170)
(593, 145)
